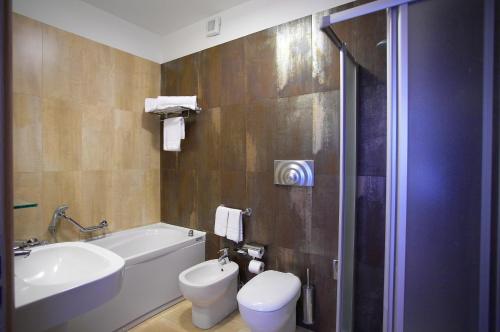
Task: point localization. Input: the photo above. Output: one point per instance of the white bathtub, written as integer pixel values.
(154, 256)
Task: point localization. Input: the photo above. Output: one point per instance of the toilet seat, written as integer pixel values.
(269, 291)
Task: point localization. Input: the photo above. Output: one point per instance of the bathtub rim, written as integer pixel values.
(147, 254)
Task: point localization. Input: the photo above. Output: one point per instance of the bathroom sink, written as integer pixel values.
(60, 281)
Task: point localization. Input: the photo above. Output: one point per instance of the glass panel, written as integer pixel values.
(443, 221)
(24, 205)
(347, 223)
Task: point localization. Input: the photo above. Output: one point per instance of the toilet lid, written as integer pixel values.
(269, 291)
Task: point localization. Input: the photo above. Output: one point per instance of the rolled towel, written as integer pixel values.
(173, 133)
(235, 225)
(221, 215)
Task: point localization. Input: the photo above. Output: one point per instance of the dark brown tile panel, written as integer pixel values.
(233, 189)
(170, 200)
(286, 260)
(186, 194)
(260, 65)
(325, 57)
(169, 159)
(169, 78)
(293, 223)
(188, 157)
(326, 106)
(209, 139)
(325, 216)
(261, 197)
(212, 245)
(292, 134)
(209, 77)
(163, 195)
(208, 197)
(260, 126)
(187, 81)
(293, 57)
(180, 76)
(233, 76)
(233, 137)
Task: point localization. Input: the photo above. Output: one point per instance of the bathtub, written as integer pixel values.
(154, 256)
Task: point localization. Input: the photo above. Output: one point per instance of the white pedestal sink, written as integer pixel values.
(60, 281)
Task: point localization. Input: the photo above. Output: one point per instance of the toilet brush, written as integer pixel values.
(307, 302)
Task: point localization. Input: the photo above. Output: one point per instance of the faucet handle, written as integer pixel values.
(225, 251)
(61, 209)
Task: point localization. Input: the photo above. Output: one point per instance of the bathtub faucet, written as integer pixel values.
(60, 213)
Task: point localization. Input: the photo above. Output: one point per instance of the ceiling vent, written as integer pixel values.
(213, 26)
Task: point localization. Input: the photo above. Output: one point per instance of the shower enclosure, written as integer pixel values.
(440, 272)
(347, 188)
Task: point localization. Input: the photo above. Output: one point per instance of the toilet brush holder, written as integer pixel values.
(308, 302)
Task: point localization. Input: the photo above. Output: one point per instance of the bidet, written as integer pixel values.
(212, 289)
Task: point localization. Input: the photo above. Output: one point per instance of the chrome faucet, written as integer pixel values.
(60, 213)
(21, 248)
(224, 257)
(22, 252)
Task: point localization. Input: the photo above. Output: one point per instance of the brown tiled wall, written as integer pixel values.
(80, 135)
(264, 97)
(270, 95)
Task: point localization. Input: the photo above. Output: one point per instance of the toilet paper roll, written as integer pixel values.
(256, 253)
(256, 266)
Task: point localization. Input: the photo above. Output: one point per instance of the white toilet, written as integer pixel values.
(267, 302)
(212, 290)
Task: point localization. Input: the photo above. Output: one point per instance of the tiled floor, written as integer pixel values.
(178, 319)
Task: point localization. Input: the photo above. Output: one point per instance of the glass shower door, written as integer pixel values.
(347, 191)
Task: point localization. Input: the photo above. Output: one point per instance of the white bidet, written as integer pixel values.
(212, 289)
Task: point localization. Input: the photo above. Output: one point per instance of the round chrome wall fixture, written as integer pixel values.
(294, 173)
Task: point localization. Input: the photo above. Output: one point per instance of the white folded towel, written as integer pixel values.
(221, 215)
(235, 225)
(150, 104)
(173, 133)
(172, 101)
(164, 102)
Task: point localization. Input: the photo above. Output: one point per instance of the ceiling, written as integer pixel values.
(163, 16)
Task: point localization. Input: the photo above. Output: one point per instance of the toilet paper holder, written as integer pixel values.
(253, 250)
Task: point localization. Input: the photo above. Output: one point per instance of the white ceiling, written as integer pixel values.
(163, 16)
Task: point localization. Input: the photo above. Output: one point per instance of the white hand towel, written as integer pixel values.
(235, 225)
(173, 132)
(172, 101)
(183, 129)
(221, 214)
(150, 104)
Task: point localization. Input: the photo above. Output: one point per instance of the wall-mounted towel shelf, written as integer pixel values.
(176, 111)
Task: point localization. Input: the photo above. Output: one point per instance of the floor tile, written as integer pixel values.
(178, 319)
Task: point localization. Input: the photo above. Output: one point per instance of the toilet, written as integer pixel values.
(267, 302)
(212, 289)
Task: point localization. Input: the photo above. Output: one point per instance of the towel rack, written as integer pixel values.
(171, 112)
(247, 212)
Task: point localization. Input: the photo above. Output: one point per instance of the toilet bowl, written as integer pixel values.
(212, 289)
(267, 302)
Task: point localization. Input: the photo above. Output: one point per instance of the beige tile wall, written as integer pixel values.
(80, 134)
